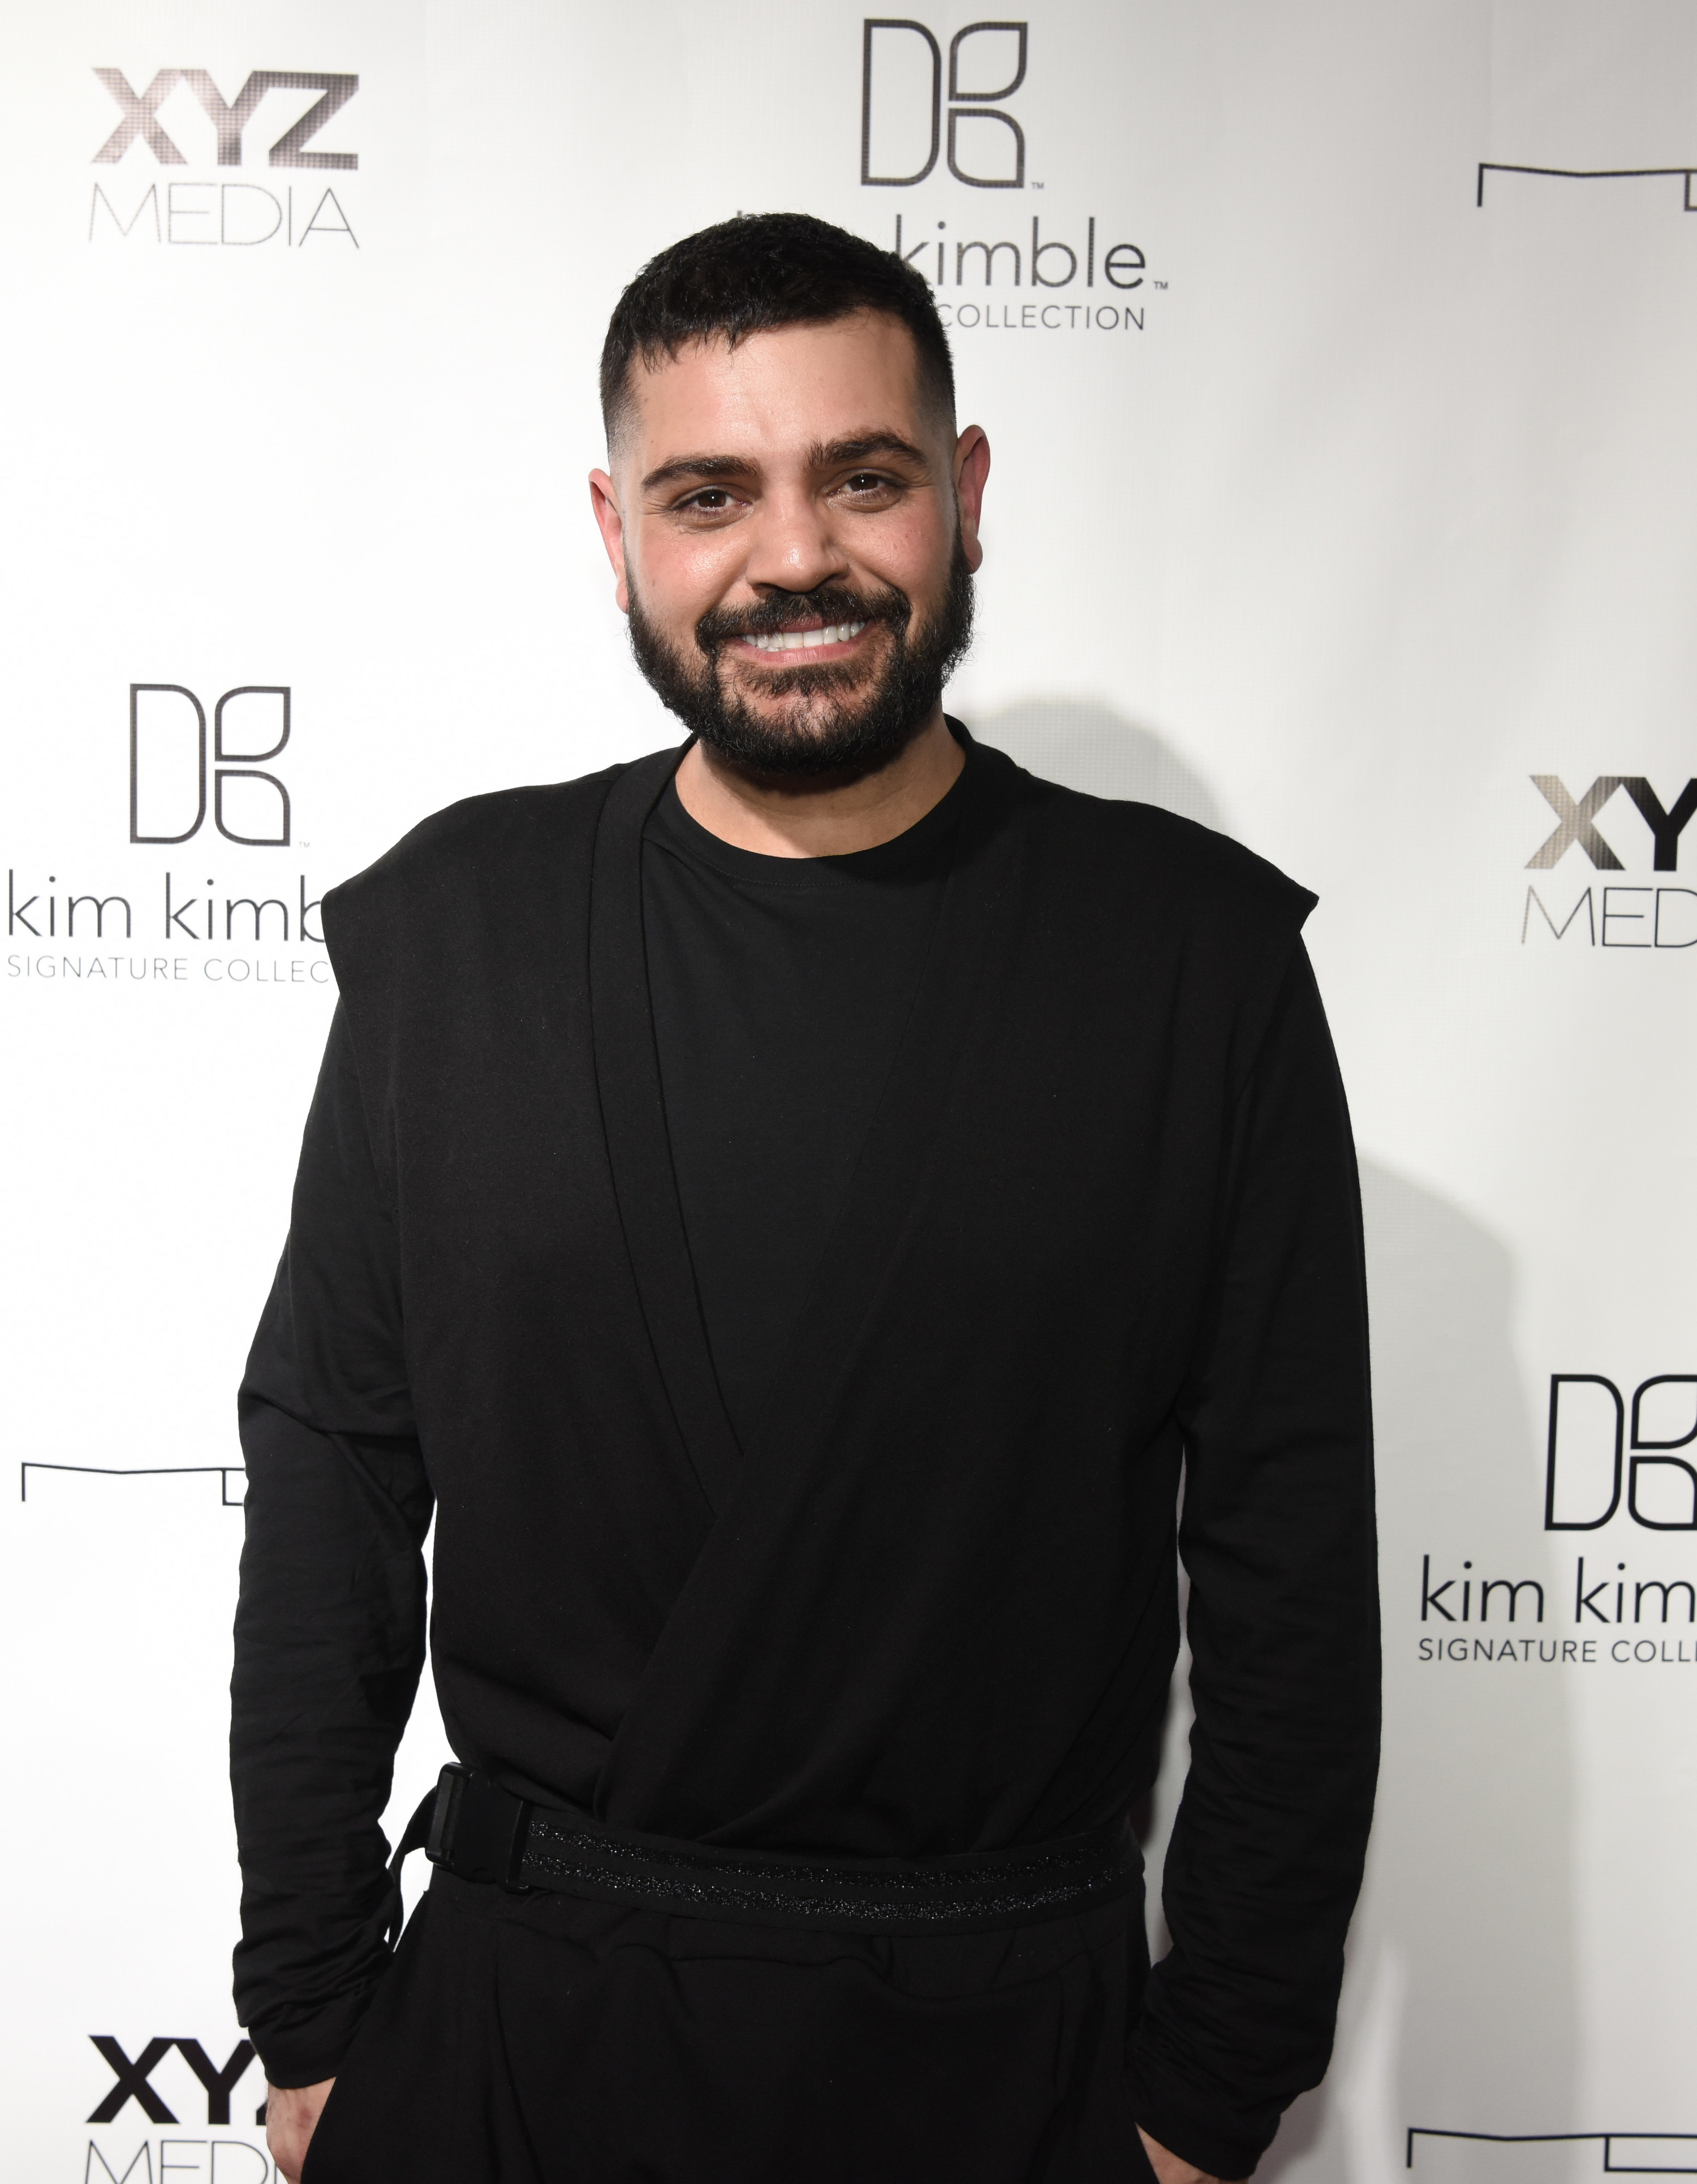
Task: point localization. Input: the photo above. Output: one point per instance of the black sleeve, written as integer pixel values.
(330, 1625)
(1277, 1536)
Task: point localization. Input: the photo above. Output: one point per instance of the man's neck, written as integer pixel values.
(823, 817)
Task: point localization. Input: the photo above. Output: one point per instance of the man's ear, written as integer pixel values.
(611, 525)
(971, 468)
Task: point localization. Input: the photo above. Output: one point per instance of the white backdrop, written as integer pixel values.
(1344, 486)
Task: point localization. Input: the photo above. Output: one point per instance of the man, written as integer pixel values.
(791, 1206)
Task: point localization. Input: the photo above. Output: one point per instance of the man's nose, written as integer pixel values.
(794, 549)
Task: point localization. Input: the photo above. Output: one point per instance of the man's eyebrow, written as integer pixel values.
(826, 455)
(823, 454)
(697, 466)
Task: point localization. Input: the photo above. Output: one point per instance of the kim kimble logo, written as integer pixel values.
(944, 109)
(206, 767)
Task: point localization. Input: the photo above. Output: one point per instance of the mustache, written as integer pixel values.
(827, 603)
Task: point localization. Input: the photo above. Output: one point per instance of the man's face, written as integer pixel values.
(795, 530)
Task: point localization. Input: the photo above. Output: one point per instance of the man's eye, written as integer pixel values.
(866, 481)
(713, 500)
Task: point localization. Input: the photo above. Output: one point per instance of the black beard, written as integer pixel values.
(874, 718)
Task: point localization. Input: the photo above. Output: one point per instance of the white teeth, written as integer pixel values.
(806, 640)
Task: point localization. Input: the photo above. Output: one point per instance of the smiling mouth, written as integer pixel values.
(801, 640)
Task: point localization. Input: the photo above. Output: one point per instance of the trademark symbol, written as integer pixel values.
(1037, 186)
(1158, 284)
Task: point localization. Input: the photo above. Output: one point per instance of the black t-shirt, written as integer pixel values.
(779, 987)
(1106, 1213)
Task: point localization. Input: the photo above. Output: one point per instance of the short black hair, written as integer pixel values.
(758, 272)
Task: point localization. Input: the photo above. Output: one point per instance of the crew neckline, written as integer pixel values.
(674, 828)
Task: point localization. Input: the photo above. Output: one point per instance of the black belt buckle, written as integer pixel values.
(478, 1830)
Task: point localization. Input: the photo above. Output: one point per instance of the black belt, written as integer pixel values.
(471, 1827)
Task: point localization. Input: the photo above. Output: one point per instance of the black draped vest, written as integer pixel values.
(932, 1607)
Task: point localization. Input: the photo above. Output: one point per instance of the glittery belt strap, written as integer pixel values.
(483, 1832)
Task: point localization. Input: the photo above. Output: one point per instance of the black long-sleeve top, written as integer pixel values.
(795, 1290)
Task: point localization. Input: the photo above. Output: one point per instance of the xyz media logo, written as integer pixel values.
(141, 122)
(1577, 817)
(1623, 916)
(168, 767)
(902, 103)
(133, 2081)
(220, 212)
(214, 2158)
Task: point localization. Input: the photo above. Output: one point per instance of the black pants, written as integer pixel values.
(544, 2040)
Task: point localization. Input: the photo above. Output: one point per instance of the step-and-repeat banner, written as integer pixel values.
(1337, 359)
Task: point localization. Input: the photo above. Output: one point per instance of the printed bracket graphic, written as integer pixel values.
(1587, 174)
(223, 1472)
(1627, 2141)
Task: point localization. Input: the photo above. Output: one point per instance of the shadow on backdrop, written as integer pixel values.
(1088, 746)
(1459, 2005)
